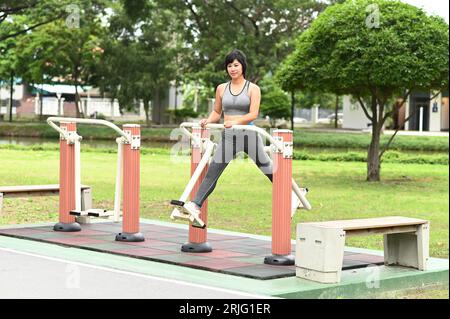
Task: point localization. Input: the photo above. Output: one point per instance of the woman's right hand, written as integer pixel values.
(203, 122)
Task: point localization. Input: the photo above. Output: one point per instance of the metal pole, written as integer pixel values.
(67, 181)
(253, 128)
(52, 119)
(281, 202)
(131, 186)
(119, 174)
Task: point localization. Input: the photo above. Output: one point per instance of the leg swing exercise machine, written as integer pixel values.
(281, 151)
(200, 158)
(128, 170)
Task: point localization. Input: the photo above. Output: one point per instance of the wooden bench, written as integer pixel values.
(42, 190)
(320, 245)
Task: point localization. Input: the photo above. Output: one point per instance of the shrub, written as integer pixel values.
(180, 115)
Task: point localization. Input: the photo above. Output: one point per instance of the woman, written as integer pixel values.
(239, 100)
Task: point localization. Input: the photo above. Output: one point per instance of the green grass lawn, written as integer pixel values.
(439, 291)
(242, 199)
(310, 138)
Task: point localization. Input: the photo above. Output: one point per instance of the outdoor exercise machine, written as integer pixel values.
(281, 152)
(128, 170)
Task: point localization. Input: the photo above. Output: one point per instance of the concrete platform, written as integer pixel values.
(236, 263)
(238, 255)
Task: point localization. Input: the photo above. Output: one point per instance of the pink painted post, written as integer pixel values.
(131, 186)
(281, 202)
(67, 222)
(198, 237)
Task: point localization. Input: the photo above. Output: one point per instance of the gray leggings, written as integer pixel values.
(232, 142)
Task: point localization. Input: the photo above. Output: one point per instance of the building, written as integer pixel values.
(59, 100)
(424, 113)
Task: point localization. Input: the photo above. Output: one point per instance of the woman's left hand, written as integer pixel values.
(229, 124)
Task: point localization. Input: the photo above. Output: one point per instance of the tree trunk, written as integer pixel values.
(196, 97)
(292, 109)
(41, 105)
(336, 107)
(273, 122)
(396, 115)
(78, 107)
(147, 115)
(11, 92)
(77, 101)
(156, 109)
(176, 94)
(373, 159)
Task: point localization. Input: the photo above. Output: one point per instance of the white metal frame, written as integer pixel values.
(208, 146)
(74, 138)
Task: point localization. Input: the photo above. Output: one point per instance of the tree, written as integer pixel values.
(375, 51)
(33, 56)
(38, 13)
(325, 100)
(274, 102)
(139, 51)
(196, 95)
(336, 109)
(7, 66)
(62, 52)
(262, 29)
(307, 99)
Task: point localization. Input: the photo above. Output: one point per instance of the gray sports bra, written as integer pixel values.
(236, 104)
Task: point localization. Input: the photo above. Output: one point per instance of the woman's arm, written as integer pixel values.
(255, 99)
(216, 113)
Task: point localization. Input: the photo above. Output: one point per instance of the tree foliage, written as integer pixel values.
(138, 54)
(274, 102)
(374, 50)
(309, 99)
(37, 13)
(262, 29)
(62, 51)
(343, 54)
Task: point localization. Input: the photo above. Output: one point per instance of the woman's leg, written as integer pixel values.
(225, 152)
(255, 150)
(254, 147)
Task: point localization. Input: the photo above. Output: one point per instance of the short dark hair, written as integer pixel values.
(236, 55)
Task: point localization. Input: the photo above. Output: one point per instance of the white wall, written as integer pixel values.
(49, 106)
(102, 106)
(444, 113)
(172, 97)
(314, 114)
(17, 94)
(435, 117)
(407, 103)
(354, 117)
(5, 110)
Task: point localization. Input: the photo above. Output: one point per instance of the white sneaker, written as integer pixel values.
(177, 214)
(194, 212)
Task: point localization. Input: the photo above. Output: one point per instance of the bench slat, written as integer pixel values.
(381, 230)
(33, 188)
(368, 223)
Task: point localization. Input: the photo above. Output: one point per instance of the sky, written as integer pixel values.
(436, 7)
